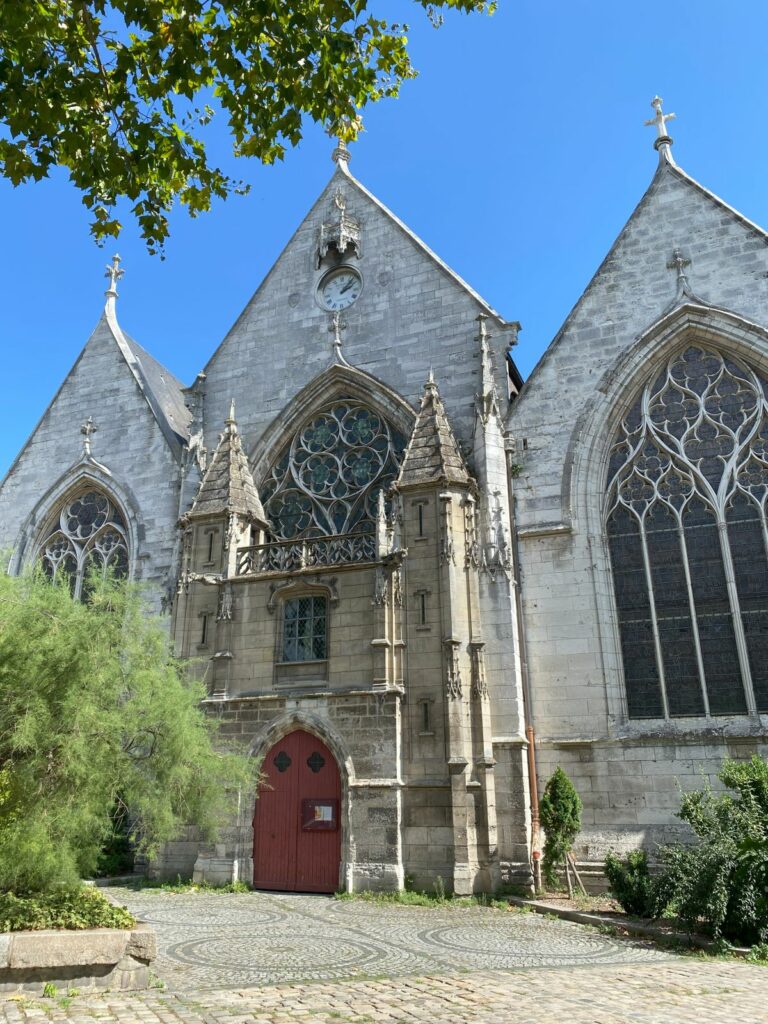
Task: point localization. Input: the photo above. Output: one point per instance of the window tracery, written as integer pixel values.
(686, 512)
(326, 481)
(89, 534)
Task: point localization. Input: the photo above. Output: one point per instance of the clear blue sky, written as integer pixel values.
(517, 155)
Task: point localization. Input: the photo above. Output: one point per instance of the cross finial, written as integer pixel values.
(679, 262)
(336, 325)
(230, 421)
(663, 139)
(88, 429)
(114, 273)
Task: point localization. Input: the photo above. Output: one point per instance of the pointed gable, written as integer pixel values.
(432, 455)
(227, 485)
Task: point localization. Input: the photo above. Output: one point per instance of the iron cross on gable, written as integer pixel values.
(660, 121)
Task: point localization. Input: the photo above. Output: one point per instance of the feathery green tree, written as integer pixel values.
(95, 712)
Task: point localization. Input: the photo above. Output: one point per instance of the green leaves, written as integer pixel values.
(94, 712)
(560, 813)
(111, 91)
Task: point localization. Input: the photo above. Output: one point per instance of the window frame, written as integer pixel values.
(305, 670)
(752, 370)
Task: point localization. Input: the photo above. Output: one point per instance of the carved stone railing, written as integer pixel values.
(292, 555)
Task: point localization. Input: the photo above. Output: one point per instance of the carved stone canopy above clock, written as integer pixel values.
(339, 234)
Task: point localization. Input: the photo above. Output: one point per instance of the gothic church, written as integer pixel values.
(413, 583)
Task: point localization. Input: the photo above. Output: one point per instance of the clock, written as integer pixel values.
(339, 289)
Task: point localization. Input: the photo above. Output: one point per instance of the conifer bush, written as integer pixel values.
(631, 883)
(560, 814)
(95, 713)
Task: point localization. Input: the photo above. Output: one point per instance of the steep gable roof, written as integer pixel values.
(167, 390)
(667, 171)
(227, 485)
(432, 455)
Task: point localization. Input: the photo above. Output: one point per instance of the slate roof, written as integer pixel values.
(432, 455)
(227, 485)
(167, 390)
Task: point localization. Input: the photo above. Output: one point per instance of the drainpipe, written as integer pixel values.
(530, 735)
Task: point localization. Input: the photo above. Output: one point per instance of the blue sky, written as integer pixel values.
(517, 155)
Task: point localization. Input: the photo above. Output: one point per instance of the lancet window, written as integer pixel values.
(688, 538)
(326, 481)
(88, 535)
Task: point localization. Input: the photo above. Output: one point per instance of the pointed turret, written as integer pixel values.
(227, 486)
(432, 455)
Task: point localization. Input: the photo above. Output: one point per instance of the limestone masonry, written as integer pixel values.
(410, 579)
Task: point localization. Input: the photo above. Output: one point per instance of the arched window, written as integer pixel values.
(688, 537)
(326, 480)
(88, 534)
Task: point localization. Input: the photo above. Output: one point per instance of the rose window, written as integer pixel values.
(326, 481)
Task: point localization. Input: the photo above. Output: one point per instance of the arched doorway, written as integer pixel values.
(296, 824)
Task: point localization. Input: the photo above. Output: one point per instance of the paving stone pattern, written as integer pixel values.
(230, 959)
(216, 940)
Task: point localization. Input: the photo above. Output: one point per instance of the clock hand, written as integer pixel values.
(346, 287)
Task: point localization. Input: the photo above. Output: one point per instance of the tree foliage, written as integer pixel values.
(95, 712)
(560, 813)
(118, 92)
(720, 881)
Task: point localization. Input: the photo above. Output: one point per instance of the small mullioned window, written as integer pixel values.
(88, 535)
(305, 629)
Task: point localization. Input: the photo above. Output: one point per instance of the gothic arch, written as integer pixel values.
(272, 732)
(337, 381)
(585, 473)
(78, 478)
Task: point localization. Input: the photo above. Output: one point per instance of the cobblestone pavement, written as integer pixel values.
(287, 959)
(217, 940)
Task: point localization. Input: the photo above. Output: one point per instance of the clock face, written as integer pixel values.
(339, 289)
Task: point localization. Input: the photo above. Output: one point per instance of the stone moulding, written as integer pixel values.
(114, 958)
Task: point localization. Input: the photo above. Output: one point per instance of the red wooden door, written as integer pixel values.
(296, 825)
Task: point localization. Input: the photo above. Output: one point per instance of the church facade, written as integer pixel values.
(414, 584)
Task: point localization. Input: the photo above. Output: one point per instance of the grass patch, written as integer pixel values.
(407, 898)
(183, 886)
(70, 909)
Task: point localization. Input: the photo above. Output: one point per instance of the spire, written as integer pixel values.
(432, 455)
(227, 486)
(115, 274)
(663, 141)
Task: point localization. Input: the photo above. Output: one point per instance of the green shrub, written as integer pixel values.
(631, 883)
(83, 907)
(720, 883)
(560, 813)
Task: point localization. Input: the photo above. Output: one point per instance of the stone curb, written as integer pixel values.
(632, 926)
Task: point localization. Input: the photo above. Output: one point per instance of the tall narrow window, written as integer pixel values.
(305, 629)
(87, 536)
(688, 538)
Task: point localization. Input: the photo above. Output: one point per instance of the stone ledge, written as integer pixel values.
(91, 958)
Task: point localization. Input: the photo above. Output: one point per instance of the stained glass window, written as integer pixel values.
(305, 629)
(88, 535)
(326, 481)
(688, 538)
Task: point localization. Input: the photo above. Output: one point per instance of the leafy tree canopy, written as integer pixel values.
(95, 712)
(118, 92)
